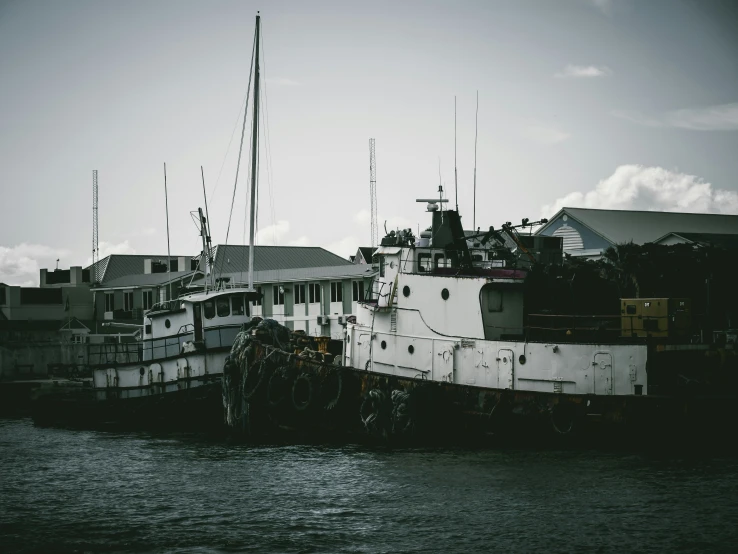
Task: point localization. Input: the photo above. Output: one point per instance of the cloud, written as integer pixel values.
(105, 249)
(721, 117)
(20, 265)
(276, 234)
(362, 217)
(636, 187)
(283, 82)
(544, 135)
(345, 247)
(579, 71)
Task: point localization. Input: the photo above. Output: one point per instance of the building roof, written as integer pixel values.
(706, 239)
(622, 226)
(366, 253)
(347, 271)
(232, 258)
(147, 279)
(115, 266)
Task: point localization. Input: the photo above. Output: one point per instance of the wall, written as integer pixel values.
(590, 239)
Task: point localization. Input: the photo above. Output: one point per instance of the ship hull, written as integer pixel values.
(280, 396)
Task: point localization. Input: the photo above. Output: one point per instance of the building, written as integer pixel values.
(363, 255)
(588, 232)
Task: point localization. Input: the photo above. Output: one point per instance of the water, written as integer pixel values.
(76, 491)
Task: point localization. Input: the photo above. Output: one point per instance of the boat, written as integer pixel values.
(443, 350)
(171, 378)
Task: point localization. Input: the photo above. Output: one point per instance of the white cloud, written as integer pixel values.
(721, 117)
(276, 234)
(362, 217)
(345, 247)
(579, 71)
(544, 135)
(20, 265)
(282, 81)
(636, 187)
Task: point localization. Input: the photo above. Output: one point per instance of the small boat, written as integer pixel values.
(172, 377)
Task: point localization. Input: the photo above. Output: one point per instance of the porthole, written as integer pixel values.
(406, 291)
(411, 349)
(167, 323)
(141, 372)
(521, 359)
(384, 345)
(444, 294)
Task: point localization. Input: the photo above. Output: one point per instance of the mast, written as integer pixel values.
(254, 157)
(476, 128)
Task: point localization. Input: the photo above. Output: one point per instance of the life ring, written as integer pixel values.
(304, 391)
(332, 389)
(278, 386)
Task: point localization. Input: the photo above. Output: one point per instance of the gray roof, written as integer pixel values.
(235, 258)
(348, 271)
(707, 239)
(148, 279)
(621, 226)
(115, 266)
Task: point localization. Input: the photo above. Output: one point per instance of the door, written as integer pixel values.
(505, 369)
(602, 371)
(198, 321)
(443, 360)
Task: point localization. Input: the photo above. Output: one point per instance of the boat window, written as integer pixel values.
(424, 263)
(494, 300)
(381, 266)
(209, 309)
(440, 260)
(224, 307)
(237, 305)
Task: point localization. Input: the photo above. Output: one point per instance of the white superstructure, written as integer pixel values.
(440, 316)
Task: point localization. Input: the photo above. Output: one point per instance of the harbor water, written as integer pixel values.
(83, 491)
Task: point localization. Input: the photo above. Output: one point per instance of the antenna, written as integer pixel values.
(95, 251)
(373, 192)
(208, 252)
(456, 179)
(476, 128)
(169, 256)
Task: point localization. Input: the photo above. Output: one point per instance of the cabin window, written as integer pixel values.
(257, 302)
(147, 299)
(237, 305)
(299, 294)
(441, 261)
(209, 309)
(314, 292)
(424, 263)
(358, 291)
(278, 295)
(381, 266)
(223, 306)
(477, 258)
(494, 300)
(109, 301)
(128, 300)
(336, 291)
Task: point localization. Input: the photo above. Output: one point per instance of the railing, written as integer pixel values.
(114, 353)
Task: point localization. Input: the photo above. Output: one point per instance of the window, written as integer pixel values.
(237, 305)
(424, 263)
(223, 306)
(2, 295)
(173, 265)
(358, 291)
(128, 300)
(381, 266)
(109, 301)
(147, 299)
(209, 309)
(494, 300)
(299, 294)
(257, 302)
(336, 292)
(278, 295)
(314, 292)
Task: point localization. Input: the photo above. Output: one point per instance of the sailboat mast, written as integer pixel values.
(254, 157)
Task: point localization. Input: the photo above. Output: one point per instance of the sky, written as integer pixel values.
(622, 104)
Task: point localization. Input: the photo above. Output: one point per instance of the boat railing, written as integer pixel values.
(108, 353)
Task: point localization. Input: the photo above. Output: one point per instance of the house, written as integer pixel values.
(363, 255)
(699, 239)
(588, 232)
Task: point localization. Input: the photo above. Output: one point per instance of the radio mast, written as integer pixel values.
(373, 192)
(95, 253)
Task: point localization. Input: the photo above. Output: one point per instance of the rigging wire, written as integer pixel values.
(240, 150)
(267, 143)
(228, 148)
